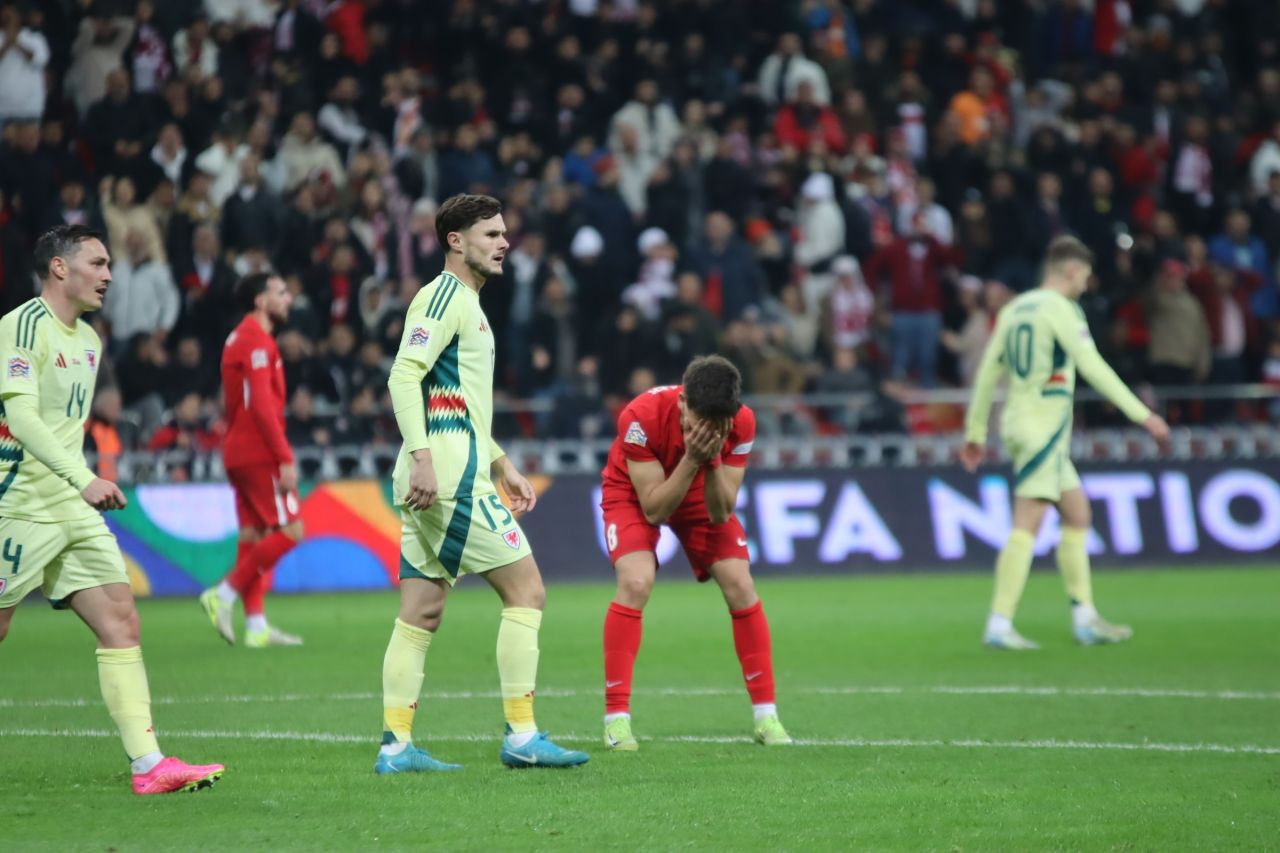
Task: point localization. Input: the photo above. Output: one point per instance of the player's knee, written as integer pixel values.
(4, 629)
(425, 616)
(634, 591)
(293, 530)
(739, 591)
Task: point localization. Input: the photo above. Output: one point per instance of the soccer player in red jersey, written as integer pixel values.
(259, 462)
(679, 460)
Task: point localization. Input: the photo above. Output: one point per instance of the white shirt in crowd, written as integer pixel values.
(22, 76)
(141, 299)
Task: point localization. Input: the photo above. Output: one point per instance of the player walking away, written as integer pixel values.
(259, 463)
(51, 530)
(453, 521)
(679, 459)
(1040, 340)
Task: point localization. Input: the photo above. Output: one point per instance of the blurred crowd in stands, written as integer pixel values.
(836, 194)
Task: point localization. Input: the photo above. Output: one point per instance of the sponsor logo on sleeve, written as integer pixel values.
(19, 367)
(1084, 333)
(91, 359)
(419, 337)
(258, 358)
(512, 538)
(635, 435)
(742, 449)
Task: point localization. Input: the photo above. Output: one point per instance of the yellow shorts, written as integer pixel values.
(61, 557)
(1042, 468)
(464, 536)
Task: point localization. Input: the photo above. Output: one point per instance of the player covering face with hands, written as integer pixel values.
(52, 535)
(679, 460)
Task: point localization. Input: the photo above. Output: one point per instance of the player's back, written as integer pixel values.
(251, 350)
(1041, 374)
(58, 364)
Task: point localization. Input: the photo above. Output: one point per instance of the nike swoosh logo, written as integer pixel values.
(527, 759)
(742, 543)
(753, 676)
(612, 683)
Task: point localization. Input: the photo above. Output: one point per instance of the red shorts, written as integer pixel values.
(704, 543)
(259, 503)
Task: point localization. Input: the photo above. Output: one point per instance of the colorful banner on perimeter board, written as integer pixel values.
(179, 538)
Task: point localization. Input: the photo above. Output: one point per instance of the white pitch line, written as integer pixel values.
(843, 743)
(552, 692)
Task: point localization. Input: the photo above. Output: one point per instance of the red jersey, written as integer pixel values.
(649, 431)
(253, 384)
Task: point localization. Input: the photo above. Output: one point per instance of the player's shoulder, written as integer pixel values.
(437, 297)
(24, 324)
(655, 401)
(745, 420)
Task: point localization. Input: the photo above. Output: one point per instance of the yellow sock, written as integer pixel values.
(518, 665)
(123, 679)
(402, 680)
(1012, 567)
(1073, 563)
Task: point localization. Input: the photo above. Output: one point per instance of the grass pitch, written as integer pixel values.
(914, 737)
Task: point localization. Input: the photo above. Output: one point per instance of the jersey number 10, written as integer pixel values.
(1017, 349)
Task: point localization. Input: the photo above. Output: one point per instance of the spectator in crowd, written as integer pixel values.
(804, 123)
(142, 298)
(24, 53)
(786, 69)
(1180, 351)
(654, 124)
(305, 155)
(731, 276)
(107, 434)
(1234, 333)
(118, 126)
(340, 119)
(195, 53)
(822, 235)
(124, 216)
(251, 215)
(1237, 249)
(849, 308)
(98, 49)
(303, 427)
(914, 266)
(1265, 162)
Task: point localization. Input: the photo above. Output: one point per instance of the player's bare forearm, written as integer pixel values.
(659, 500)
(721, 494)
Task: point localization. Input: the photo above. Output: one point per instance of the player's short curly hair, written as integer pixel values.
(712, 387)
(61, 241)
(460, 212)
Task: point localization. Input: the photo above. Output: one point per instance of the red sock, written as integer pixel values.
(751, 639)
(254, 563)
(622, 630)
(257, 591)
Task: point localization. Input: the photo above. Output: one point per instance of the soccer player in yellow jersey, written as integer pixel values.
(51, 530)
(1040, 341)
(453, 521)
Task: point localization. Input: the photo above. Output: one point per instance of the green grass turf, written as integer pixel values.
(972, 789)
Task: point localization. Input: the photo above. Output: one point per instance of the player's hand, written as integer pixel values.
(519, 489)
(1159, 430)
(422, 482)
(104, 495)
(971, 455)
(288, 481)
(702, 442)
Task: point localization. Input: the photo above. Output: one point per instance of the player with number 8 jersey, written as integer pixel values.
(679, 459)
